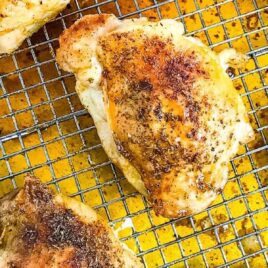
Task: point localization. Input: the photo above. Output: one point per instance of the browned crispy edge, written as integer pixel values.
(67, 58)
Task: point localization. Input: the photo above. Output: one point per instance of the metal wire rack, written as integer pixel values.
(45, 130)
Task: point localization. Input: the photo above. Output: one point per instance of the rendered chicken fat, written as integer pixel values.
(165, 109)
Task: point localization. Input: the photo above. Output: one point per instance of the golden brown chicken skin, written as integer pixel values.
(170, 110)
(39, 229)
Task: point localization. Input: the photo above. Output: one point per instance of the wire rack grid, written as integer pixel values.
(45, 130)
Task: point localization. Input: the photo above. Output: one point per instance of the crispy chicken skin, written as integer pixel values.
(39, 229)
(165, 109)
(19, 19)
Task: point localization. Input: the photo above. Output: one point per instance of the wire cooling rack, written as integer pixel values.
(45, 130)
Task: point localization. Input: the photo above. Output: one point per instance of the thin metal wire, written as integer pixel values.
(75, 116)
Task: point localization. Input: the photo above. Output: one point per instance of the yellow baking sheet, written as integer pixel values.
(69, 150)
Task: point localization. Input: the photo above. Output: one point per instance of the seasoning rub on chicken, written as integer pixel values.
(19, 19)
(39, 229)
(165, 109)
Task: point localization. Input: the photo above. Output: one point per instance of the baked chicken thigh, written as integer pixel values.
(165, 109)
(19, 19)
(39, 229)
